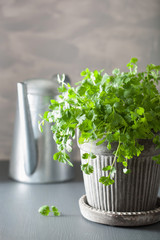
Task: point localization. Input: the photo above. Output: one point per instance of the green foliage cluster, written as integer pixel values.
(123, 107)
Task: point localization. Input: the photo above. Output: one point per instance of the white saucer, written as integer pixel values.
(124, 219)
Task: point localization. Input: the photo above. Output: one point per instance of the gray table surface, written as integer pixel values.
(20, 220)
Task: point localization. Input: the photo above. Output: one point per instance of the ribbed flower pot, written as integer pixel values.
(136, 192)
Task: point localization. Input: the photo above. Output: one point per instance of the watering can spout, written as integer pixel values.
(28, 140)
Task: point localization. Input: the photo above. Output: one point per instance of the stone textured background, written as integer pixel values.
(39, 38)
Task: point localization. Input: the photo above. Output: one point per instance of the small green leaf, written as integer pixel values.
(109, 146)
(120, 158)
(80, 119)
(129, 65)
(81, 90)
(65, 158)
(85, 155)
(87, 169)
(116, 71)
(83, 73)
(44, 210)
(108, 108)
(45, 115)
(62, 89)
(107, 168)
(134, 60)
(56, 156)
(125, 164)
(105, 79)
(92, 156)
(62, 157)
(106, 181)
(140, 111)
(69, 163)
(111, 169)
(88, 155)
(100, 142)
(156, 159)
(55, 211)
(56, 214)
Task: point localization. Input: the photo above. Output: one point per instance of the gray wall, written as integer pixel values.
(39, 38)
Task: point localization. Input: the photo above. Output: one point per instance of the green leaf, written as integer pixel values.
(109, 146)
(83, 73)
(92, 155)
(81, 90)
(150, 67)
(66, 159)
(44, 210)
(118, 106)
(128, 93)
(106, 181)
(125, 164)
(129, 65)
(107, 168)
(156, 159)
(55, 211)
(53, 128)
(140, 111)
(111, 169)
(88, 155)
(134, 60)
(54, 104)
(71, 93)
(62, 157)
(108, 108)
(45, 115)
(56, 156)
(116, 120)
(56, 214)
(88, 169)
(120, 158)
(116, 71)
(84, 136)
(156, 140)
(100, 142)
(85, 155)
(62, 89)
(81, 118)
(105, 79)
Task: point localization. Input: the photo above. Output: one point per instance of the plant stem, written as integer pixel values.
(115, 156)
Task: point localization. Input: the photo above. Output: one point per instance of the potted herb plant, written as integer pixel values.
(118, 122)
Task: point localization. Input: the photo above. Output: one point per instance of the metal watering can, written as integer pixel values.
(32, 151)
